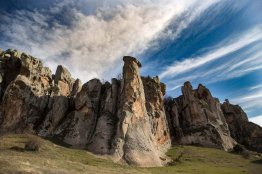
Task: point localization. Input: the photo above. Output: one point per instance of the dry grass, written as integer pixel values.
(53, 158)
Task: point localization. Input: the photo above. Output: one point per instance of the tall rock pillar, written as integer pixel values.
(134, 141)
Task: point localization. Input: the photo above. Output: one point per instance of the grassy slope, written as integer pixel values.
(53, 158)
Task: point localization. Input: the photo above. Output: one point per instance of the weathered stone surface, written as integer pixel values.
(9, 68)
(196, 118)
(134, 142)
(76, 88)
(27, 91)
(243, 131)
(78, 127)
(58, 105)
(154, 92)
(107, 121)
(126, 119)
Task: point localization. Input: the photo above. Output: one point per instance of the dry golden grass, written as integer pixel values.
(53, 158)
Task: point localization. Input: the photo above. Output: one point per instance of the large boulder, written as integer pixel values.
(196, 118)
(243, 131)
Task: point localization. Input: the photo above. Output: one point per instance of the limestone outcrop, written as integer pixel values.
(78, 127)
(243, 131)
(196, 118)
(126, 119)
(26, 92)
(58, 104)
(134, 142)
(154, 95)
(101, 142)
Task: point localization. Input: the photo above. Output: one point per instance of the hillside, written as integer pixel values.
(54, 158)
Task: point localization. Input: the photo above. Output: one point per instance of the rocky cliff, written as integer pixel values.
(111, 118)
(196, 118)
(243, 131)
(126, 118)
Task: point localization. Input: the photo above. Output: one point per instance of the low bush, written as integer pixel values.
(33, 144)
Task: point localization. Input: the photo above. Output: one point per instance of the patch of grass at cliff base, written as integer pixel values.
(53, 158)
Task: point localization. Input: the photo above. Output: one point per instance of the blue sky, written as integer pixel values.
(214, 42)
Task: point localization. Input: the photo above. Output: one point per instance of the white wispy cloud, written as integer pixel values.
(223, 49)
(250, 101)
(257, 120)
(222, 68)
(92, 45)
(256, 87)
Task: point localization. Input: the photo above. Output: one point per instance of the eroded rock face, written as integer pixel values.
(27, 91)
(243, 131)
(58, 104)
(134, 141)
(78, 127)
(101, 142)
(154, 95)
(126, 119)
(196, 118)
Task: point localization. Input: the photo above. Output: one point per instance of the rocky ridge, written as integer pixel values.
(127, 119)
(196, 118)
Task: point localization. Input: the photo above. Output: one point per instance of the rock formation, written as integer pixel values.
(126, 119)
(243, 131)
(78, 127)
(154, 92)
(101, 142)
(196, 118)
(58, 104)
(135, 142)
(26, 86)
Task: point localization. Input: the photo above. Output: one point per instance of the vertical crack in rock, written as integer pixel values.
(106, 124)
(58, 104)
(78, 127)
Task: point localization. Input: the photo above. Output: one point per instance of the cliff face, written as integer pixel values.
(111, 118)
(196, 118)
(126, 119)
(243, 131)
(134, 141)
(26, 85)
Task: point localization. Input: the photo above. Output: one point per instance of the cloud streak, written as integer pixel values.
(257, 120)
(250, 101)
(224, 49)
(90, 45)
